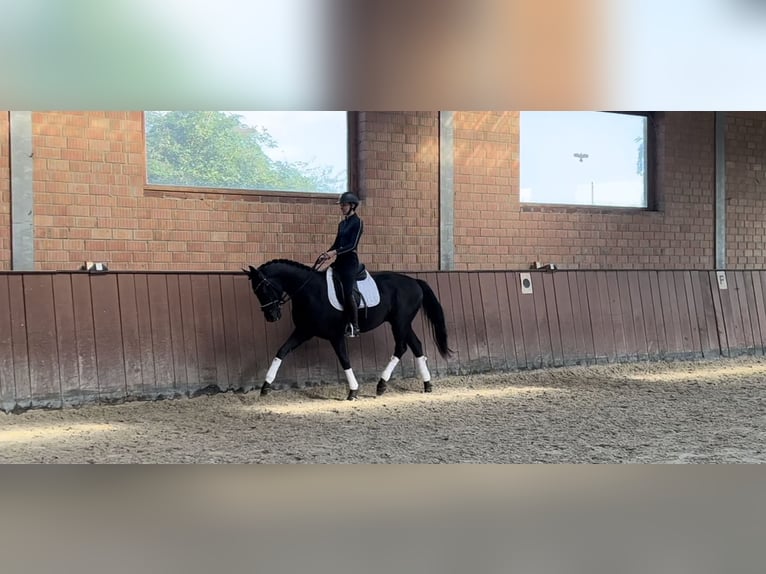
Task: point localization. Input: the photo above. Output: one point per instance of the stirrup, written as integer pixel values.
(351, 331)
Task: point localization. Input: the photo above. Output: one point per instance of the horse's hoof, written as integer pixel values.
(381, 388)
(427, 388)
(352, 395)
(265, 389)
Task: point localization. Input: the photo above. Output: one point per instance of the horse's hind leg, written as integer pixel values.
(400, 347)
(420, 360)
(295, 339)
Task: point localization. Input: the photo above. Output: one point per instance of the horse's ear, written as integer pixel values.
(253, 270)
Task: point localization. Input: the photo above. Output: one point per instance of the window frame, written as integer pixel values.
(651, 175)
(352, 172)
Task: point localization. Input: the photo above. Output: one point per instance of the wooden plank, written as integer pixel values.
(513, 289)
(45, 384)
(110, 358)
(444, 287)
(711, 298)
(732, 315)
(759, 284)
(85, 337)
(685, 322)
(691, 299)
(231, 332)
(162, 335)
(181, 382)
(506, 320)
(637, 314)
(188, 333)
(647, 309)
(615, 315)
(541, 316)
(461, 338)
(565, 316)
(145, 337)
(202, 325)
(723, 337)
(598, 302)
(659, 313)
(671, 318)
(251, 336)
(23, 388)
(582, 314)
(66, 338)
(218, 333)
(626, 315)
(739, 307)
(749, 312)
(469, 320)
(552, 314)
(529, 324)
(480, 326)
(493, 320)
(7, 372)
(702, 304)
(131, 336)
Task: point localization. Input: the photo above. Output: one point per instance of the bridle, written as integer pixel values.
(278, 301)
(285, 297)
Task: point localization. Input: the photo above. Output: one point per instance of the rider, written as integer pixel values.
(346, 261)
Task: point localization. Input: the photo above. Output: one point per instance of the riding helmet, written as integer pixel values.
(349, 197)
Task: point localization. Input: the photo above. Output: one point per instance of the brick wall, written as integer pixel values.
(494, 231)
(486, 215)
(399, 183)
(5, 192)
(746, 183)
(91, 203)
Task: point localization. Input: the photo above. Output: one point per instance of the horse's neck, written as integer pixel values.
(289, 277)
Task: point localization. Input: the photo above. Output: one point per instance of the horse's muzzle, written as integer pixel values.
(273, 316)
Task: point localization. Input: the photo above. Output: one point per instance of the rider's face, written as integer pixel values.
(345, 208)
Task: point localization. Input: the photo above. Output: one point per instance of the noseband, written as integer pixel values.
(279, 301)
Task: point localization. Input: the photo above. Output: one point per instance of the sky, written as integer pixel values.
(551, 173)
(318, 138)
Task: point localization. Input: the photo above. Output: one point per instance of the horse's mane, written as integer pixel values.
(289, 262)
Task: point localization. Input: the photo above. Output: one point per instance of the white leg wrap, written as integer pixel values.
(386, 374)
(272, 373)
(352, 384)
(420, 363)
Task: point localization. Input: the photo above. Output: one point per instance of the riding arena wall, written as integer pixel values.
(173, 316)
(72, 338)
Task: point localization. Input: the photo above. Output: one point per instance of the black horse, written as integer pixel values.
(282, 280)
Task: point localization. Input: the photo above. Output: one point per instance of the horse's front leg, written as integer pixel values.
(295, 339)
(339, 344)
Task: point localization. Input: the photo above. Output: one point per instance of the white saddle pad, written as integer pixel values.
(367, 287)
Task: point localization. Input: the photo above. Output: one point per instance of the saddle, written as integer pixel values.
(365, 294)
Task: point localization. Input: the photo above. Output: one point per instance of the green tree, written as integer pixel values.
(216, 149)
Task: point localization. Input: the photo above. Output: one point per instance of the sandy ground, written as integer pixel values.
(678, 412)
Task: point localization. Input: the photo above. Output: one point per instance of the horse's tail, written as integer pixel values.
(435, 316)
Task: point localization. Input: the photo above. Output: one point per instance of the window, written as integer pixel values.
(584, 158)
(264, 151)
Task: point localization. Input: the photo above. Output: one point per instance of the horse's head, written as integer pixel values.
(270, 295)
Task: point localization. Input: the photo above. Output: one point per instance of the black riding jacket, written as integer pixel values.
(349, 231)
